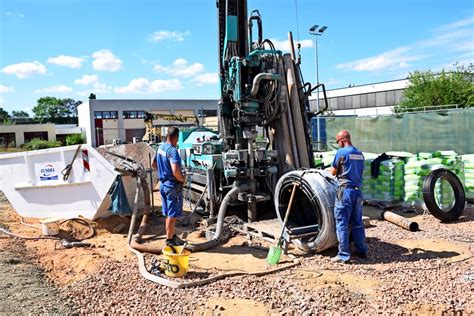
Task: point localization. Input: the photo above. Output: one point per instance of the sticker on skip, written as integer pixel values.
(47, 172)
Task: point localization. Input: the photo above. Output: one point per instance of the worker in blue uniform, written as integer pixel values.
(171, 178)
(348, 166)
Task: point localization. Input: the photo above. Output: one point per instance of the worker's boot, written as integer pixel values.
(175, 241)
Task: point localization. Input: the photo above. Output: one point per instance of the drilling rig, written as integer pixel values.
(263, 95)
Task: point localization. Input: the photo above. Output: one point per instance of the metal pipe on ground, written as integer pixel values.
(400, 221)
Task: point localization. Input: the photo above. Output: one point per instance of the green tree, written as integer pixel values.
(4, 115)
(55, 110)
(20, 114)
(438, 90)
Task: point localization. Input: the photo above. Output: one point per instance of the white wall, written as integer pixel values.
(85, 121)
(380, 110)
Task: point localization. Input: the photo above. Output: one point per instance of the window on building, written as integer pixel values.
(130, 133)
(380, 99)
(363, 101)
(332, 103)
(32, 135)
(207, 113)
(340, 103)
(390, 97)
(371, 100)
(356, 101)
(348, 102)
(106, 115)
(7, 140)
(398, 96)
(133, 114)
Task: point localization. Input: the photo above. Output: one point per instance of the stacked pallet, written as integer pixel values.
(387, 187)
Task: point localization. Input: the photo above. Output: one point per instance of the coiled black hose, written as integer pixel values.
(313, 210)
(430, 200)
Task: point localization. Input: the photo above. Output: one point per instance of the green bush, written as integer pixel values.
(37, 143)
(75, 139)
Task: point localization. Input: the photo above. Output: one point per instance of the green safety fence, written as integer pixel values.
(411, 132)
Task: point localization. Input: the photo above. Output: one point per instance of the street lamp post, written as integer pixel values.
(316, 31)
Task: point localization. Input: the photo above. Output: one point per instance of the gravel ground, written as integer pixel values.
(427, 272)
(24, 289)
(394, 279)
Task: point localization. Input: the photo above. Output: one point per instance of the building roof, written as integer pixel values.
(366, 88)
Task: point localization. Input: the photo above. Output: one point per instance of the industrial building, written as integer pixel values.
(15, 135)
(363, 100)
(106, 120)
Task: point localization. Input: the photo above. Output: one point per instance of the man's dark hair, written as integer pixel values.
(172, 132)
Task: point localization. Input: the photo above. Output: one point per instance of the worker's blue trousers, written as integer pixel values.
(348, 216)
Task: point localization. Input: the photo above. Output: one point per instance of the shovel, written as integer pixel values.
(274, 254)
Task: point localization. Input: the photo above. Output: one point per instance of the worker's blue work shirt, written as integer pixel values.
(165, 156)
(170, 189)
(349, 162)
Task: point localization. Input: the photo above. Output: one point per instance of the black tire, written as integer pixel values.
(429, 195)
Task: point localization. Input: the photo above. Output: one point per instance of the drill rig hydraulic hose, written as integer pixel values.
(231, 195)
(260, 77)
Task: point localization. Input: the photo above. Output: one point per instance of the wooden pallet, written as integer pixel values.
(268, 230)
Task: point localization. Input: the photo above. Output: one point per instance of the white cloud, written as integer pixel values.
(94, 85)
(454, 40)
(143, 85)
(397, 58)
(206, 78)
(67, 61)
(87, 80)
(5, 89)
(285, 44)
(98, 87)
(15, 14)
(180, 68)
(25, 70)
(467, 22)
(105, 60)
(55, 89)
(174, 36)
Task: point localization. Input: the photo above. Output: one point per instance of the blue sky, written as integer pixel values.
(155, 49)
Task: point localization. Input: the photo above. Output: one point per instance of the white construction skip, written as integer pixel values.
(59, 182)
